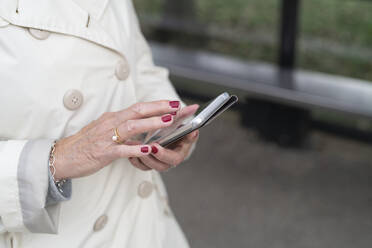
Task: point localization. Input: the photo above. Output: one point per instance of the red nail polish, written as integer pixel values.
(166, 118)
(154, 150)
(174, 104)
(145, 149)
(174, 113)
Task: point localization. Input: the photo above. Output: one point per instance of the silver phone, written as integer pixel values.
(182, 127)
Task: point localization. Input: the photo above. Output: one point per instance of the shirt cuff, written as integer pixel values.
(56, 195)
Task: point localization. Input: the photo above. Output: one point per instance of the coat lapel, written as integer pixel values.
(94, 7)
(60, 16)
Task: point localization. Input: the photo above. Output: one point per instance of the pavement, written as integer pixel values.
(239, 191)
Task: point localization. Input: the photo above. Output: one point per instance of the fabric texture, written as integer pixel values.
(31, 169)
(85, 43)
(10, 210)
(33, 181)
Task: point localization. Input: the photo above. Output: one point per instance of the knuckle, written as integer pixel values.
(120, 152)
(138, 108)
(130, 127)
(108, 118)
(117, 152)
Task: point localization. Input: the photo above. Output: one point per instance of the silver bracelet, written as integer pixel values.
(52, 160)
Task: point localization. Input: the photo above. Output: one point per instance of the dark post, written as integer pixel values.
(288, 33)
(179, 9)
(286, 125)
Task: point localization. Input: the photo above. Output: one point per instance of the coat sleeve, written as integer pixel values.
(25, 187)
(152, 82)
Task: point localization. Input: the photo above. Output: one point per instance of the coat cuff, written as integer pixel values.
(10, 209)
(54, 194)
(24, 187)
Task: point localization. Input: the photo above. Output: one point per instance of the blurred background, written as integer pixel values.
(291, 164)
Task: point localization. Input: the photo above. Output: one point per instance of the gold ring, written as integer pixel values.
(116, 137)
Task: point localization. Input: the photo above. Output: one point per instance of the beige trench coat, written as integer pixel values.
(63, 63)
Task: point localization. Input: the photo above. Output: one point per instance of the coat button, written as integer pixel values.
(39, 34)
(122, 70)
(145, 189)
(73, 99)
(100, 223)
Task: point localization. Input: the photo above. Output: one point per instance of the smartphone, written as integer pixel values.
(182, 127)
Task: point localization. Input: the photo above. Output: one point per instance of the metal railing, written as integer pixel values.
(281, 83)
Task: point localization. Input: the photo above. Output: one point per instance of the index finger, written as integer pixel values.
(148, 109)
(187, 111)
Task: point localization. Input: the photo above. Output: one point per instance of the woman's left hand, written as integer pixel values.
(162, 159)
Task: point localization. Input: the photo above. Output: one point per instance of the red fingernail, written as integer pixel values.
(166, 118)
(154, 150)
(174, 104)
(145, 149)
(174, 113)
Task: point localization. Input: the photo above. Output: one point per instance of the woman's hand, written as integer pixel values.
(161, 159)
(92, 148)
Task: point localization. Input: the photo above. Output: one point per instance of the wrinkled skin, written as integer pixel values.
(92, 148)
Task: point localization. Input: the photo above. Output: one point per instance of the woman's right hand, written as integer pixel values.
(92, 148)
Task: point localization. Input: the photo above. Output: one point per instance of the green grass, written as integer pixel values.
(335, 35)
(345, 21)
